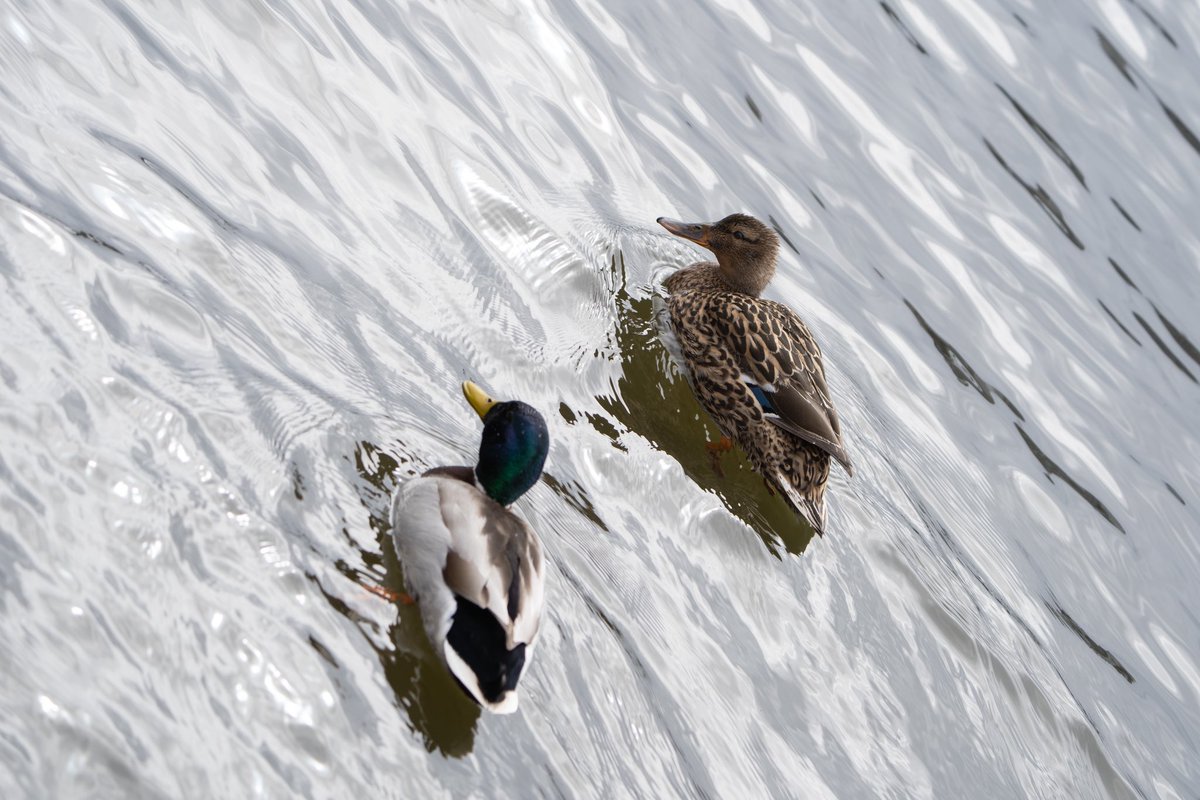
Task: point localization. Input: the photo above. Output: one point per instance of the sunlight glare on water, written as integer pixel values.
(249, 252)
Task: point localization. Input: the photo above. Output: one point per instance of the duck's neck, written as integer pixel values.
(747, 276)
(469, 475)
(485, 489)
(507, 487)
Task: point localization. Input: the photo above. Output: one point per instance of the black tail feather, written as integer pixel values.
(480, 641)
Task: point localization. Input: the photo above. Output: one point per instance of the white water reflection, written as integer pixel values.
(248, 252)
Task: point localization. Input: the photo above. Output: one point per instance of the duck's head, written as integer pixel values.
(745, 248)
(513, 448)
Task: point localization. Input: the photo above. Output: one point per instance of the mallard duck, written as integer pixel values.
(752, 363)
(473, 566)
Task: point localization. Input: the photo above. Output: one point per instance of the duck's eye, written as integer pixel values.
(739, 235)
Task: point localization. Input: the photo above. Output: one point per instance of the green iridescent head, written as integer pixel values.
(513, 448)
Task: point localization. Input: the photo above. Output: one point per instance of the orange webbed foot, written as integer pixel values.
(715, 451)
(722, 445)
(391, 596)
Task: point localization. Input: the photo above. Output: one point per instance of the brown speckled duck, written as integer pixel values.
(752, 363)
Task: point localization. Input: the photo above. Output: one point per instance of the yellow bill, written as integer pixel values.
(478, 398)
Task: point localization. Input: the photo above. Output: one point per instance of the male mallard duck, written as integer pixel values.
(473, 565)
(752, 363)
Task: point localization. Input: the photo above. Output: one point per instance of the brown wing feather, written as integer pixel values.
(774, 347)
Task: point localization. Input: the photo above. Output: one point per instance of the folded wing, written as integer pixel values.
(781, 368)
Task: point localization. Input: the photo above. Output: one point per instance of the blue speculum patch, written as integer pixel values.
(762, 398)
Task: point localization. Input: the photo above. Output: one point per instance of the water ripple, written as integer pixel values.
(248, 253)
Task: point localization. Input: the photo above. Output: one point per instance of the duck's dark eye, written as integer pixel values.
(739, 235)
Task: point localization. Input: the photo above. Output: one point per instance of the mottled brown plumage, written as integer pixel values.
(753, 364)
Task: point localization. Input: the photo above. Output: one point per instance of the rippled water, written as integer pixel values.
(248, 251)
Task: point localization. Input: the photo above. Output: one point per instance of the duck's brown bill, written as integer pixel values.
(692, 231)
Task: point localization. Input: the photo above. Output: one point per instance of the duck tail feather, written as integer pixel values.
(811, 512)
(477, 654)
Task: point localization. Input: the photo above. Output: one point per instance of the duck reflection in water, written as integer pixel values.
(438, 710)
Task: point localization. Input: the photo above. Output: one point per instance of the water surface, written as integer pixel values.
(248, 252)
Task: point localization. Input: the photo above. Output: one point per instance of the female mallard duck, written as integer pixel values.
(752, 363)
(473, 565)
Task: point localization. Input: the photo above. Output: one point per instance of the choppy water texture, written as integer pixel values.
(248, 251)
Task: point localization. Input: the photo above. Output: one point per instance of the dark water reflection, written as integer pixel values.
(437, 709)
(248, 253)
